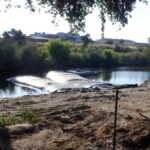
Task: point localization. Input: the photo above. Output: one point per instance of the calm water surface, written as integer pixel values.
(121, 75)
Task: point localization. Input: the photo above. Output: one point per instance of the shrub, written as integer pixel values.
(9, 57)
(146, 52)
(75, 49)
(110, 58)
(58, 51)
(94, 60)
(33, 58)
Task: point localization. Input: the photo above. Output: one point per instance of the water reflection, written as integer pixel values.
(10, 90)
(121, 75)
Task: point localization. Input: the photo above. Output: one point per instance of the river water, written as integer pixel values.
(120, 75)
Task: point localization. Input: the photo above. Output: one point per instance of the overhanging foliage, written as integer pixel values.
(75, 11)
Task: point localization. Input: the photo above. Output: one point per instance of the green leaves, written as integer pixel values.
(58, 51)
(75, 11)
(14, 35)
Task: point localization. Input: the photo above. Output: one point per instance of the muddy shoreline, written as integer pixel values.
(80, 121)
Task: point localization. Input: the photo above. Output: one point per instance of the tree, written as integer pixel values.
(6, 36)
(121, 42)
(58, 51)
(14, 35)
(75, 11)
(86, 40)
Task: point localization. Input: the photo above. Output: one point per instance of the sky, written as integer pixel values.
(137, 29)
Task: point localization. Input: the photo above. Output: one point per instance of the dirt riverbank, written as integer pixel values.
(80, 121)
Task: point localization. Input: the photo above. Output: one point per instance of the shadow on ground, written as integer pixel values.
(5, 143)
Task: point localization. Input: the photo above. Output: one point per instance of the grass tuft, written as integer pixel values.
(26, 115)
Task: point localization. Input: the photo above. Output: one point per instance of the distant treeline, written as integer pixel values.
(55, 54)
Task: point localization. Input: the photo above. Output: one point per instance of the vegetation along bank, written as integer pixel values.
(26, 56)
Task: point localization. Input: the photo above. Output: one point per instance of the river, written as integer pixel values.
(120, 75)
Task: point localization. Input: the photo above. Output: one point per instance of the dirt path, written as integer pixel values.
(80, 121)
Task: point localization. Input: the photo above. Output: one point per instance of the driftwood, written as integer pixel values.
(148, 119)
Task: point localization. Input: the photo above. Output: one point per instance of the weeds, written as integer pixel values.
(26, 115)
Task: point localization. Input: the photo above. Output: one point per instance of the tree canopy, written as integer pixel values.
(86, 40)
(75, 11)
(14, 35)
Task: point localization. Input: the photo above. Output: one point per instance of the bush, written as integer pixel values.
(75, 49)
(19, 58)
(15, 57)
(76, 60)
(94, 60)
(9, 57)
(33, 58)
(134, 59)
(146, 52)
(110, 58)
(58, 51)
(120, 49)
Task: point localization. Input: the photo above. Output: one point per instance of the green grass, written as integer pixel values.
(26, 115)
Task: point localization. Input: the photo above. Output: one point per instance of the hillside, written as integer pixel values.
(76, 38)
(124, 42)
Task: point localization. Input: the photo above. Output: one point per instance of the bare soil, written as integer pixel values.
(80, 121)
